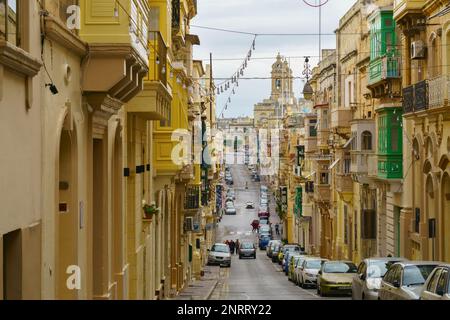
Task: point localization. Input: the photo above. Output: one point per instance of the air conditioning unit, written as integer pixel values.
(418, 50)
(189, 224)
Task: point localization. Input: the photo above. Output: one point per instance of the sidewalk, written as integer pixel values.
(203, 288)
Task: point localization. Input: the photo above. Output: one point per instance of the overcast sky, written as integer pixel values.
(261, 16)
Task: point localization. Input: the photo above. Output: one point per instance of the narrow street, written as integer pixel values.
(249, 279)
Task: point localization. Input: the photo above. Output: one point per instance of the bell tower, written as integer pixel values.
(281, 80)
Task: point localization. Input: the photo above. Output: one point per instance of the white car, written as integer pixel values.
(307, 273)
(405, 280)
(366, 283)
(219, 255)
(437, 286)
(297, 267)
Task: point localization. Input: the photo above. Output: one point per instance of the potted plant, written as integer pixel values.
(149, 209)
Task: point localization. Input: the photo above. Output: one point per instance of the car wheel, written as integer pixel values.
(363, 297)
(240, 257)
(318, 290)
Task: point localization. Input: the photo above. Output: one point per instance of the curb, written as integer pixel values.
(208, 296)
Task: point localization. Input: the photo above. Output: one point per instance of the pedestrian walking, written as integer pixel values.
(237, 245)
(277, 229)
(232, 246)
(255, 225)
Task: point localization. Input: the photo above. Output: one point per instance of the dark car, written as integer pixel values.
(247, 250)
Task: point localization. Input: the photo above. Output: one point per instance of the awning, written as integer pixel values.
(310, 175)
(349, 142)
(334, 164)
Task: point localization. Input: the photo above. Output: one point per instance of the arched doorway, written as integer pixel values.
(67, 213)
(446, 217)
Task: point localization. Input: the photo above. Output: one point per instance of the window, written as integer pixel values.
(325, 120)
(324, 178)
(442, 287)
(432, 284)
(366, 140)
(416, 275)
(313, 128)
(9, 21)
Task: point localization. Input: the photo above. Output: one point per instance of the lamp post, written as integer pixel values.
(307, 89)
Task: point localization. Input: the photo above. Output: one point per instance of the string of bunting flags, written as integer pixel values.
(233, 82)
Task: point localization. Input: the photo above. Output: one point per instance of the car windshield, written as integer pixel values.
(416, 275)
(292, 249)
(265, 237)
(313, 264)
(377, 269)
(220, 248)
(247, 245)
(339, 267)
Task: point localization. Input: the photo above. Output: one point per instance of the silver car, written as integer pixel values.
(367, 281)
(405, 280)
(219, 255)
(437, 286)
(308, 271)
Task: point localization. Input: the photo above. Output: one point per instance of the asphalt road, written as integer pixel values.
(249, 279)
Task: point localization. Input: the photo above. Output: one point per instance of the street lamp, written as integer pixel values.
(307, 89)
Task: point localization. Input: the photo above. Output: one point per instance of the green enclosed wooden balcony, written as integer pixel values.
(390, 143)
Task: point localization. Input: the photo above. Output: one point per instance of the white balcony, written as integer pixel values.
(438, 91)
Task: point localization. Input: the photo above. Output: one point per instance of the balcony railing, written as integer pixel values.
(438, 91)
(158, 58)
(192, 198)
(385, 68)
(415, 97)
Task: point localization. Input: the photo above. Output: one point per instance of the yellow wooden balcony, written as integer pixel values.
(153, 103)
(117, 34)
(405, 7)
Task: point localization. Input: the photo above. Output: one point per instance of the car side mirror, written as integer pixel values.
(320, 272)
(362, 276)
(396, 283)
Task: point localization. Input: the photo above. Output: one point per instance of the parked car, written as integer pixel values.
(405, 280)
(335, 277)
(287, 259)
(271, 246)
(250, 205)
(275, 252)
(247, 249)
(263, 213)
(219, 255)
(263, 202)
(230, 209)
(264, 241)
(293, 260)
(366, 283)
(264, 228)
(308, 271)
(284, 249)
(437, 286)
(231, 193)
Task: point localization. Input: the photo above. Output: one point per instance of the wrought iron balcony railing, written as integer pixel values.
(415, 97)
(192, 198)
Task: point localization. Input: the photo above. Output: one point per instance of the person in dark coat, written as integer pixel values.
(232, 246)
